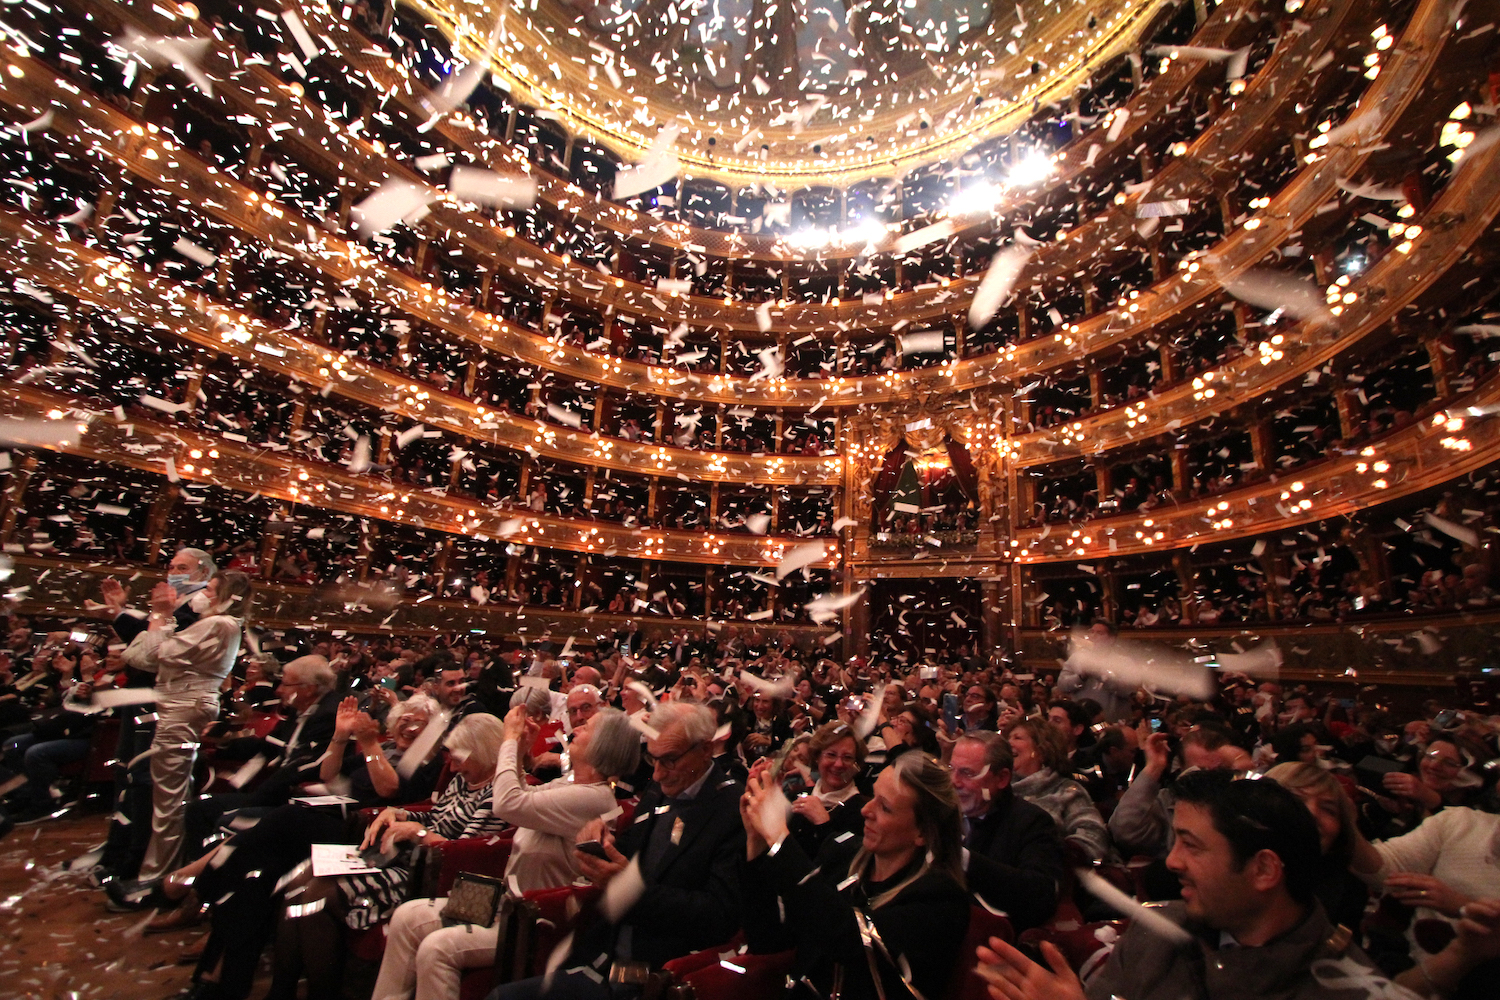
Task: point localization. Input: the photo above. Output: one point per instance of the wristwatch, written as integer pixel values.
(421, 834)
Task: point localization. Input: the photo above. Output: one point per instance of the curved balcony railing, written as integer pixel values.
(173, 451)
(326, 144)
(424, 302)
(72, 269)
(59, 587)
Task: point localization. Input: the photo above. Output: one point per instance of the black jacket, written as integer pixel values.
(302, 764)
(692, 895)
(924, 924)
(844, 818)
(1016, 860)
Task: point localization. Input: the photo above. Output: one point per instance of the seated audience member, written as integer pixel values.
(1451, 860)
(1071, 720)
(1141, 822)
(1039, 763)
(1015, 852)
(425, 955)
(360, 764)
(687, 841)
(1342, 894)
(904, 876)
(833, 808)
(1247, 855)
(1414, 797)
(248, 890)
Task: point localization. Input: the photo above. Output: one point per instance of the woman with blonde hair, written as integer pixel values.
(1340, 891)
(890, 903)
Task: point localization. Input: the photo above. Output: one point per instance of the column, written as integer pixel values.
(20, 477)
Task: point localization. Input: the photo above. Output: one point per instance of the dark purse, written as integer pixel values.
(474, 899)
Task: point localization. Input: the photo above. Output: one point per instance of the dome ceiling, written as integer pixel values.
(792, 92)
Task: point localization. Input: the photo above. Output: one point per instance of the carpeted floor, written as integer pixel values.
(58, 942)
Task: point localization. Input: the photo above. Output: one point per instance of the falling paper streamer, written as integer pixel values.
(194, 252)
(996, 285)
(39, 124)
(310, 50)
(644, 728)
(359, 459)
(406, 437)
(388, 204)
(1136, 665)
(1263, 662)
(865, 724)
(796, 558)
(927, 234)
(920, 343)
(423, 747)
(763, 317)
(25, 432)
(1468, 536)
(458, 86)
(1374, 192)
(622, 892)
(643, 692)
(1117, 125)
(1148, 918)
(826, 607)
(659, 167)
(782, 687)
(248, 770)
(1272, 290)
(183, 53)
(434, 161)
(485, 187)
(1238, 64)
(563, 416)
(1191, 52)
(758, 524)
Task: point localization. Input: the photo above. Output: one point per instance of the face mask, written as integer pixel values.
(178, 580)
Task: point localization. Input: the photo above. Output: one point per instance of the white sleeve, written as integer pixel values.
(1418, 850)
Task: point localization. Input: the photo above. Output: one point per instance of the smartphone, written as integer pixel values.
(1445, 719)
(79, 636)
(1370, 770)
(593, 849)
(950, 710)
(1156, 725)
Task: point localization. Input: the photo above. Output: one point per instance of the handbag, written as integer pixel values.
(473, 899)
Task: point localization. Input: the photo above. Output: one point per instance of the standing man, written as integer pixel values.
(190, 666)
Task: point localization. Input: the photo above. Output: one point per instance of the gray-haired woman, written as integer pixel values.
(424, 955)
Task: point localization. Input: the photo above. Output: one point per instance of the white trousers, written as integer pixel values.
(422, 954)
(180, 720)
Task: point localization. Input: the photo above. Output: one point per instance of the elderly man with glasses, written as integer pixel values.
(686, 843)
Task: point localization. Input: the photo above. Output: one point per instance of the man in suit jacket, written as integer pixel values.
(687, 842)
(1015, 851)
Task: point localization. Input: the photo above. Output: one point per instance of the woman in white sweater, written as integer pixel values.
(424, 955)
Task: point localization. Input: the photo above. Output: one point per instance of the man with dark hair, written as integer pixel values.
(1247, 854)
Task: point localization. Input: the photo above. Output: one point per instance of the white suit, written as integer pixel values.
(190, 666)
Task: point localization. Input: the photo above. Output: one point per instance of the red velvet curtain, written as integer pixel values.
(963, 468)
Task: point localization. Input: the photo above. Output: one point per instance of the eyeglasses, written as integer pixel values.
(669, 760)
(838, 758)
(969, 774)
(1436, 757)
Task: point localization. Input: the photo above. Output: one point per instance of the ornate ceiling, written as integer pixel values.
(792, 92)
